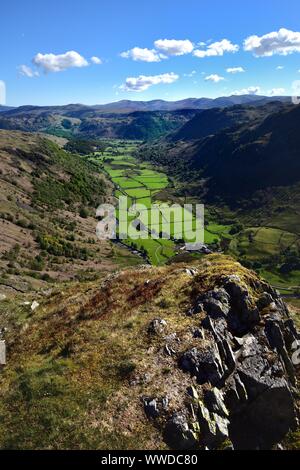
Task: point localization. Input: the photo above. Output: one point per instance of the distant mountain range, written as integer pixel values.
(137, 120)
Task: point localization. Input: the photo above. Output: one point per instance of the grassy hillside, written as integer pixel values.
(48, 226)
(79, 366)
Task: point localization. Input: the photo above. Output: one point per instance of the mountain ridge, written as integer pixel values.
(127, 106)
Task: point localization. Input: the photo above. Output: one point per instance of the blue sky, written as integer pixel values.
(205, 39)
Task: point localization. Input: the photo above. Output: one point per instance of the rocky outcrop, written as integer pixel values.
(157, 326)
(242, 369)
(179, 433)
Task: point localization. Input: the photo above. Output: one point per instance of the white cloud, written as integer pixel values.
(214, 78)
(251, 90)
(216, 49)
(282, 42)
(59, 62)
(27, 71)
(235, 70)
(143, 55)
(276, 92)
(143, 82)
(172, 47)
(280, 67)
(96, 60)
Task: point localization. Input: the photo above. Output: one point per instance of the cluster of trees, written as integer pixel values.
(285, 261)
(59, 247)
(85, 147)
(82, 184)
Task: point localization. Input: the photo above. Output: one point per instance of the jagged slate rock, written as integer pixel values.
(276, 339)
(206, 365)
(214, 401)
(264, 421)
(231, 397)
(246, 345)
(232, 278)
(235, 394)
(290, 333)
(282, 307)
(250, 347)
(229, 356)
(151, 407)
(222, 432)
(207, 424)
(196, 310)
(218, 328)
(274, 313)
(172, 337)
(165, 403)
(208, 324)
(241, 389)
(169, 351)
(2, 353)
(34, 305)
(222, 354)
(178, 433)
(258, 374)
(264, 300)
(157, 326)
(216, 303)
(278, 310)
(238, 342)
(244, 315)
(193, 392)
(290, 325)
(198, 333)
(233, 286)
(289, 366)
(274, 334)
(271, 290)
(191, 272)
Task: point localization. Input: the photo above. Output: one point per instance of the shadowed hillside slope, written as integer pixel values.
(212, 121)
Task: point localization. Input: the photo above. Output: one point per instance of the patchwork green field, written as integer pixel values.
(264, 241)
(273, 252)
(142, 185)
